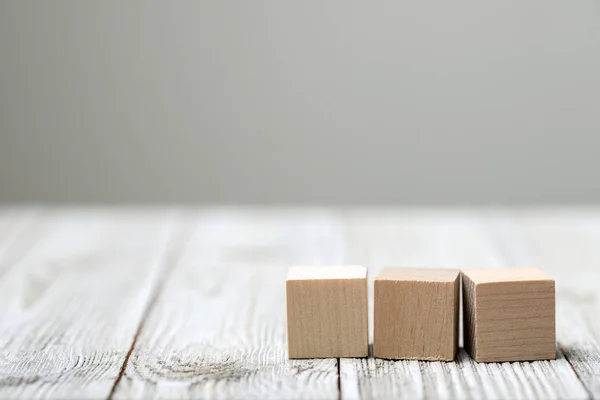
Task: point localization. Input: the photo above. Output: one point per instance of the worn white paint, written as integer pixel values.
(78, 286)
(219, 328)
(71, 306)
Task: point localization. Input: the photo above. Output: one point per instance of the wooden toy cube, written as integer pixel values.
(416, 313)
(327, 312)
(509, 314)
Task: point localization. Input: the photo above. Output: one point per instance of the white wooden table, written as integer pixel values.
(190, 303)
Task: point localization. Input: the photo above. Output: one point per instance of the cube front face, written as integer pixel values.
(416, 319)
(510, 321)
(327, 318)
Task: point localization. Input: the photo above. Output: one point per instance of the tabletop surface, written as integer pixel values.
(190, 303)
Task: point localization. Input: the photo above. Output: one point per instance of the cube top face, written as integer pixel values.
(509, 315)
(418, 274)
(416, 314)
(327, 312)
(498, 275)
(327, 272)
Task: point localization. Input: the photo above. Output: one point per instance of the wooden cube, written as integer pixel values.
(327, 312)
(509, 314)
(416, 313)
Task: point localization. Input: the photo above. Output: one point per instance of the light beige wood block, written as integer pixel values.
(327, 312)
(509, 314)
(416, 313)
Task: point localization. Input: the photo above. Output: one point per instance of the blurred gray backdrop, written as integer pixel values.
(434, 101)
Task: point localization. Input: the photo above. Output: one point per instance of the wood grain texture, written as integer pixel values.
(450, 240)
(327, 313)
(509, 314)
(219, 328)
(77, 284)
(565, 243)
(416, 313)
(72, 304)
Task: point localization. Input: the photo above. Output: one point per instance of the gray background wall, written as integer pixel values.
(461, 101)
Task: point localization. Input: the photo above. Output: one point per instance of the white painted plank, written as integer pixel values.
(452, 240)
(71, 306)
(219, 328)
(20, 229)
(564, 243)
